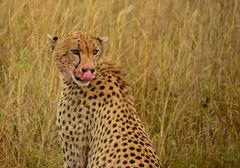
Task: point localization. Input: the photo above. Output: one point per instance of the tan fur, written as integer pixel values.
(97, 122)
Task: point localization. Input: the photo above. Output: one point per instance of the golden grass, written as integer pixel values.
(181, 57)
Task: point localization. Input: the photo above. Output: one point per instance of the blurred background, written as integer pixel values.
(181, 57)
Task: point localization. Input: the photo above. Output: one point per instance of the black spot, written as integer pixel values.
(104, 158)
(132, 161)
(124, 162)
(101, 94)
(102, 87)
(146, 161)
(124, 144)
(132, 154)
(55, 38)
(115, 83)
(136, 142)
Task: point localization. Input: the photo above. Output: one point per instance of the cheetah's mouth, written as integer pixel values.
(79, 81)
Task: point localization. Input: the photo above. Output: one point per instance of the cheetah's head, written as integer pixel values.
(77, 55)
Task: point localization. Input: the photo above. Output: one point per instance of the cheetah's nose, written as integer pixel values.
(87, 74)
(86, 69)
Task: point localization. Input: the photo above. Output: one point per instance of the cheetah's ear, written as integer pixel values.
(53, 40)
(102, 40)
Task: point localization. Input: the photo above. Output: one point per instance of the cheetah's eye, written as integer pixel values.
(95, 52)
(75, 52)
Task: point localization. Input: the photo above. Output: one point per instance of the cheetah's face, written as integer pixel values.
(77, 55)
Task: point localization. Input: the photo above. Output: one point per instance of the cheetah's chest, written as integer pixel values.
(73, 118)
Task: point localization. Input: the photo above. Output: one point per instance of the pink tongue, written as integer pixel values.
(87, 75)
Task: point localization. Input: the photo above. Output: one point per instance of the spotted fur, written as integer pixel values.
(97, 122)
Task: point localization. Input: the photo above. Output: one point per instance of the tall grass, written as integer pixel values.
(181, 57)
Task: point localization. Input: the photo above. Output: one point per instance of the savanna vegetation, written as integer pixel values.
(181, 57)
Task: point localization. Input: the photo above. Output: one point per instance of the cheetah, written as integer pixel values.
(96, 118)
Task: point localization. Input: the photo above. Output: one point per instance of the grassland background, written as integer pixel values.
(182, 59)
